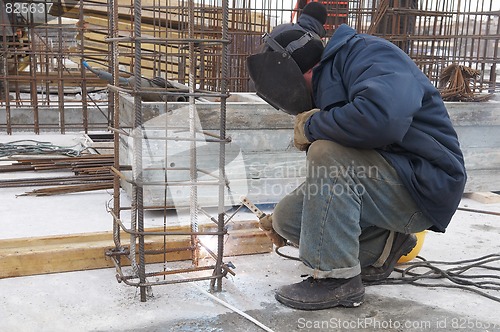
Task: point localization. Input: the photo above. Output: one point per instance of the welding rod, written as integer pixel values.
(236, 310)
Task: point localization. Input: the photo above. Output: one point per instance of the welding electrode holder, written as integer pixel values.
(265, 223)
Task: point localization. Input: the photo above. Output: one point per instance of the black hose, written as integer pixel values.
(456, 274)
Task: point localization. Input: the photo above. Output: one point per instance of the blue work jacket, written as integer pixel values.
(373, 96)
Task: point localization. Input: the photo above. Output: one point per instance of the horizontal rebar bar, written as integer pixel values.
(121, 277)
(160, 233)
(55, 181)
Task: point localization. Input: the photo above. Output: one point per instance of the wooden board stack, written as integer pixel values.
(167, 27)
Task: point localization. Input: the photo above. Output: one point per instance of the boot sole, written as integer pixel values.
(355, 300)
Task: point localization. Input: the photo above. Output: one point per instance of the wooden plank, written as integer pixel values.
(67, 257)
(95, 43)
(162, 23)
(39, 255)
(174, 12)
(63, 253)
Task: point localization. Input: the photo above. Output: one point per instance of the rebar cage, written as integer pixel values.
(54, 54)
(162, 154)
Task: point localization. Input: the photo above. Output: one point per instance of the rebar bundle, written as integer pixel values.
(456, 84)
(91, 172)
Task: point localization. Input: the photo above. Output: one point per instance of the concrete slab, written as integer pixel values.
(95, 301)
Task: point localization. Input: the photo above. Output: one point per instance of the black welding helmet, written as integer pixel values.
(288, 52)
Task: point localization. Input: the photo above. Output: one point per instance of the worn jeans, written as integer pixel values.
(342, 215)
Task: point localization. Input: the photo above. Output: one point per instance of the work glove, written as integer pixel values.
(266, 224)
(299, 138)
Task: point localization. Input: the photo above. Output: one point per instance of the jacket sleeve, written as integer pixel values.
(383, 95)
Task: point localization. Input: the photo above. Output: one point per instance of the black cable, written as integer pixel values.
(456, 274)
(277, 250)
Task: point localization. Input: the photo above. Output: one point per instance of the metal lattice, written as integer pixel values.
(164, 173)
(54, 54)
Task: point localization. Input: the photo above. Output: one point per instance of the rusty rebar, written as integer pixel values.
(434, 33)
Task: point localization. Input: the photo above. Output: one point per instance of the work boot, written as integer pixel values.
(314, 294)
(401, 245)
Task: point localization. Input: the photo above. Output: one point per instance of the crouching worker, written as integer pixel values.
(383, 160)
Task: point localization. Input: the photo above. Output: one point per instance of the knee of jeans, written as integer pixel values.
(318, 150)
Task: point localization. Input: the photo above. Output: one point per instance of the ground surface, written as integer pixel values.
(95, 301)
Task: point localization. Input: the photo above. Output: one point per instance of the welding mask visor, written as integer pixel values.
(280, 82)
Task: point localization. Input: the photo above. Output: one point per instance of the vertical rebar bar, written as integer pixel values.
(4, 83)
(115, 110)
(85, 114)
(4, 28)
(2, 78)
(33, 80)
(5, 90)
(60, 78)
(493, 70)
(47, 62)
(193, 171)
(138, 138)
(222, 151)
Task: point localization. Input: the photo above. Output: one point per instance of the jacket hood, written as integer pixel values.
(311, 24)
(341, 36)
